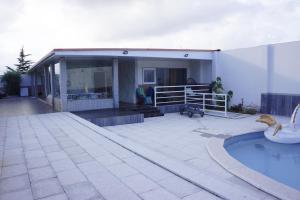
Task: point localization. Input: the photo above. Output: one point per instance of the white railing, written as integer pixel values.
(191, 94)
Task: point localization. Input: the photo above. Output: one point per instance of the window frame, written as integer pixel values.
(149, 69)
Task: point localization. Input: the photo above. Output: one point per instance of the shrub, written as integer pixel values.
(12, 81)
(217, 87)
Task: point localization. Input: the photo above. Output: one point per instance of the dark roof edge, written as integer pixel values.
(131, 49)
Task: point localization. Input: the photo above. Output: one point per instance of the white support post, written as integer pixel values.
(225, 105)
(116, 82)
(63, 84)
(203, 103)
(185, 98)
(45, 82)
(52, 76)
(155, 90)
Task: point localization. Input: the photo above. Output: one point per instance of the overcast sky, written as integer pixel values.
(41, 25)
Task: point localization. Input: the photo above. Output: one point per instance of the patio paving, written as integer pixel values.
(184, 139)
(15, 106)
(54, 156)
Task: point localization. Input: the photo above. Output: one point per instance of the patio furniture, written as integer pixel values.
(142, 98)
(191, 109)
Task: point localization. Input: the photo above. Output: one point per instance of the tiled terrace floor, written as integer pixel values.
(15, 106)
(184, 139)
(52, 156)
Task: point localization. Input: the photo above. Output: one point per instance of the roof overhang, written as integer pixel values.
(189, 54)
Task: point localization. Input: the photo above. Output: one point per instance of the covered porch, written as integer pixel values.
(93, 79)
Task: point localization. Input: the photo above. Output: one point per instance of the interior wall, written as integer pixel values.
(127, 81)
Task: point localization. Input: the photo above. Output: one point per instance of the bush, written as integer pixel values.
(12, 81)
(244, 110)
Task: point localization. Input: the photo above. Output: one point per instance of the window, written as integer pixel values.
(149, 76)
(87, 81)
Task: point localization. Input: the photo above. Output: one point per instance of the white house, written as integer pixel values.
(88, 79)
(265, 76)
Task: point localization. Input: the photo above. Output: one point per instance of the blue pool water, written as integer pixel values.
(278, 161)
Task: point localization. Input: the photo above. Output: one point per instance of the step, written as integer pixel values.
(148, 115)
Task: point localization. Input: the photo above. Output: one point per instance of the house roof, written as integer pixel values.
(131, 49)
(120, 52)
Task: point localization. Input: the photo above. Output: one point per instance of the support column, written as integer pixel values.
(136, 79)
(52, 82)
(215, 65)
(32, 84)
(35, 83)
(45, 81)
(115, 88)
(63, 84)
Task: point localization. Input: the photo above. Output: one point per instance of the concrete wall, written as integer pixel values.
(127, 81)
(244, 71)
(285, 73)
(251, 71)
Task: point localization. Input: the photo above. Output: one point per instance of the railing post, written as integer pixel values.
(155, 96)
(203, 103)
(185, 100)
(226, 105)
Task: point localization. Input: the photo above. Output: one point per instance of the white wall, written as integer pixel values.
(244, 71)
(285, 73)
(248, 72)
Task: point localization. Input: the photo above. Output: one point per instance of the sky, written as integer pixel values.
(42, 25)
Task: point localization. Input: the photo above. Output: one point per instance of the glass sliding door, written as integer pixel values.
(171, 76)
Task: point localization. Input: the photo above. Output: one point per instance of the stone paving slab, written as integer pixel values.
(52, 156)
(178, 137)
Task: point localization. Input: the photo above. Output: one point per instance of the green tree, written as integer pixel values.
(11, 80)
(23, 64)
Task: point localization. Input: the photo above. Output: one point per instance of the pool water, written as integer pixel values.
(277, 161)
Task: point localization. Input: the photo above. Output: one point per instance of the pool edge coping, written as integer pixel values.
(216, 150)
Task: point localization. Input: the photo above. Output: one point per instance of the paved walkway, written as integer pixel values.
(15, 106)
(184, 139)
(53, 156)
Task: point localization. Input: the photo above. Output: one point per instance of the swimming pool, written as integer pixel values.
(277, 161)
